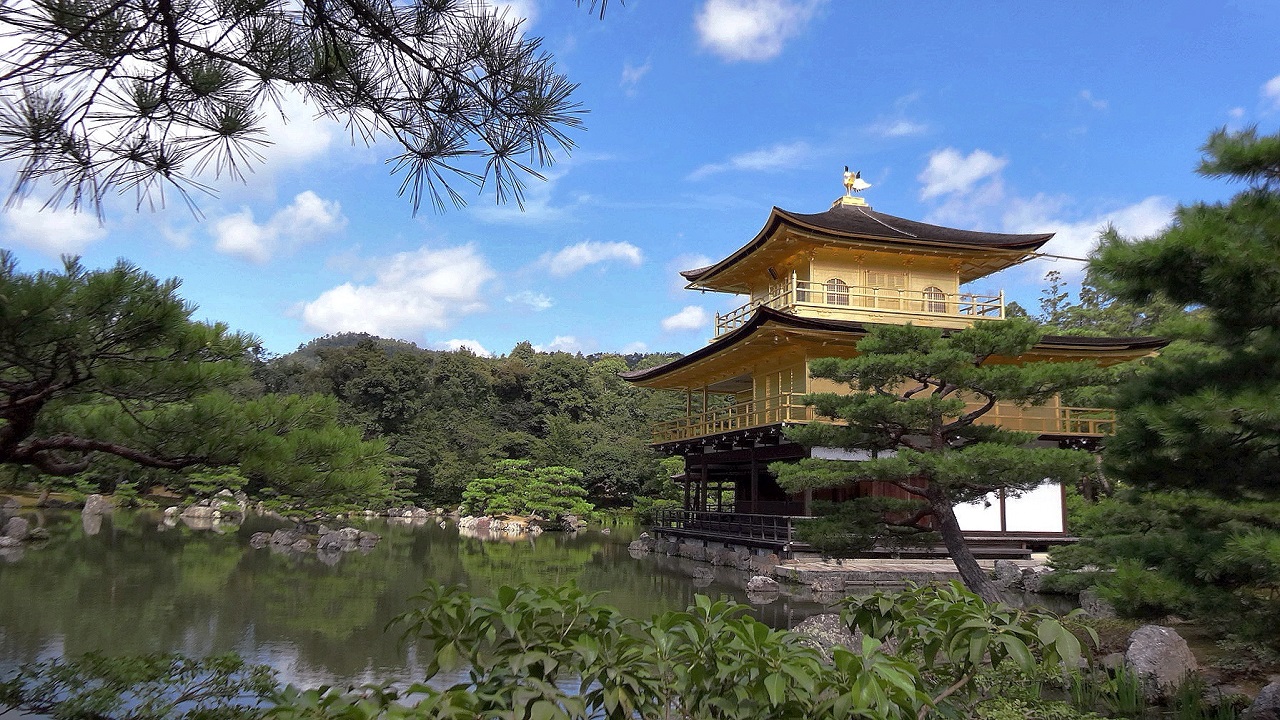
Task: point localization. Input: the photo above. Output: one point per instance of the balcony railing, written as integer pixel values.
(797, 296)
(788, 408)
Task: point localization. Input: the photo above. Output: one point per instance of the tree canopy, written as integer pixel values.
(918, 396)
(105, 364)
(1206, 416)
(103, 96)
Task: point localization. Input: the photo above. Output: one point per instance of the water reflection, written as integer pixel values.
(130, 583)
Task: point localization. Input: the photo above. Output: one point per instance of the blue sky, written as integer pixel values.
(1026, 117)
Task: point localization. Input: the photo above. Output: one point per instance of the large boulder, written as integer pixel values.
(824, 632)
(760, 584)
(1267, 705)
(17, 528)
(97, 505)
(1008, 575)
(1094, 605)
(259, 540)
(1033, 577)
(1160, 658)
(643, 544)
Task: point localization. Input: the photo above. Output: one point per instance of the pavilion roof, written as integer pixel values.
(859, 225)
(776, 319)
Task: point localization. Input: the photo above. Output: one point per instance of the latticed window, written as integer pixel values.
(935, 300)
(837, 292)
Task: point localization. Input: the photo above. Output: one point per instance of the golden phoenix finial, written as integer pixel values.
(853, 182)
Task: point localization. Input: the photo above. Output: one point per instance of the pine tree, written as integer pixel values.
(103, 96)
(1207, 414)
(917, 396)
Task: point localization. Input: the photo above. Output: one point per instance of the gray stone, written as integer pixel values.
(91, 522)
(172, 511)
(349, 533)
(260, 540)
(763, 564)
(199, 512)
(8, 542)
(1008, 575)
(1033, 577)
(1161, 659)
(97, 505)
(826, 631)
(644, 543)
(38, 533)
(301, 545)
(1094, 605)
(761, 584)
(330, 541)
(1267, 705)
(17, 528)
(368, 539)
(285, 537)
(8, 504)
(827, 584)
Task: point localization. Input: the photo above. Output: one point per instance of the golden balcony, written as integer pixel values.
(1046, 420)
(852, 302)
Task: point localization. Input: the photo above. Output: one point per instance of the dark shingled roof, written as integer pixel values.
(860, 221)
(763, 315)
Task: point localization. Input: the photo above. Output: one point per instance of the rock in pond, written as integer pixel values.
(97, 505)
(761, 584)
(17, 528)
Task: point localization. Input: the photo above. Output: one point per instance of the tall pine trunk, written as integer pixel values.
(974, 577)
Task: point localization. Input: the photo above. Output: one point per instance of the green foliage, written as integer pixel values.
(146, 687)
(557, 653)
(918, 393)
(106, 100)
(1205, 417)
(451, 415)
(104, 371)
(518, 488)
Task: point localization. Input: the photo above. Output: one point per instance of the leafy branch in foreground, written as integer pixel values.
(104, 96)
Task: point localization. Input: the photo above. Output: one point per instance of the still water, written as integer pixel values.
(136, 586)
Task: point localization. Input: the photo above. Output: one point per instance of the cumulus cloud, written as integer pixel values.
(691, 317)
(753, 30)
(1075, 238)
(52, 231)
(304, 220)
(632, 75)
(949, 172)
(534, 301)
(634, 347)
(562, 343)
(459, 343)
(424, 289)
(297, 132)
(1271, 93)
(776, 157)
(525, 11)
(573, 258)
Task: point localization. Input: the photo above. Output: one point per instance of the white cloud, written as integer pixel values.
(562, 343)
(949, 172)
(632, 75)
(1271, 93)
(534, 301)
(1075, 238)
(53, 231)
(297, 133)
(573, 258)
(525, 11)
(898, 128)
(777, 157)
(1093, 102)
(752, 29)
(1236, 112)
(459, 343)
(300, 222)
(634, 347)
(413, 291)
(691, 317)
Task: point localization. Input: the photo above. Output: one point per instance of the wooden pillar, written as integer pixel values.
(754, 495)
(702, 486)
(687, 480)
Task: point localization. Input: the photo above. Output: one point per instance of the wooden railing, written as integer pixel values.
(796, 296)
(768, 529)
(788, 408)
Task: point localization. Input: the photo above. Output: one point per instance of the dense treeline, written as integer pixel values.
(450, 416)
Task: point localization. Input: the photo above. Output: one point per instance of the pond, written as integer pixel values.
(137, 586)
